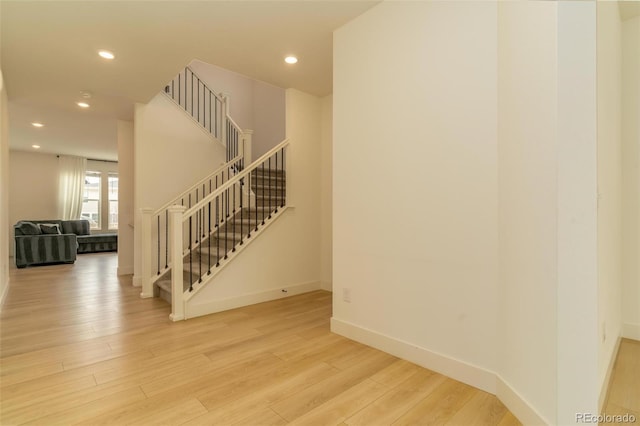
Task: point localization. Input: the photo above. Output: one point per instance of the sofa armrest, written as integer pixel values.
(45, 248)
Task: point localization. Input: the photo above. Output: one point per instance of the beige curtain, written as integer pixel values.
(71, 186)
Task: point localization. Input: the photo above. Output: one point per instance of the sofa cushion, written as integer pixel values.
(78, 227)
(28, 228)
(97, 243)
(50, 228)
(98, 238)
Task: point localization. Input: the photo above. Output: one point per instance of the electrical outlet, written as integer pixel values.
(346, 295)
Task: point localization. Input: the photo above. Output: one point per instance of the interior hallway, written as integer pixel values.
(78, 345)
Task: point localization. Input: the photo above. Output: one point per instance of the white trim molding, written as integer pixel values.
(517, 404)
(631, 331)
(604, 390)
(193, 310)
(456, 369)
(3, 296)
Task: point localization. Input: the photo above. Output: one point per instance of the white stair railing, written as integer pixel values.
(211, 112)
(227, 219)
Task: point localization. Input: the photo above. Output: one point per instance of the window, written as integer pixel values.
(113, 201)
(100, 200)
(91, 199)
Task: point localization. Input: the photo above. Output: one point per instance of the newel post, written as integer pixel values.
(245, 149)
(225, 113)
(247, 140)
(176, 214)
(147, 286)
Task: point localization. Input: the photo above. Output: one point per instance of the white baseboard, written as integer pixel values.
(193, 310)
(136, 281)
(607, 378)
(4, 294)
(325, 285)
(518, 406)
(631, 331)
(125, 270)
(456, 369)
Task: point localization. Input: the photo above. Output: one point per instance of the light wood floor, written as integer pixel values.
(79, 346)
(624, 388)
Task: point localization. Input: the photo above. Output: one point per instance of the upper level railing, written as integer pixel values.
(198, 101)
(209, 109)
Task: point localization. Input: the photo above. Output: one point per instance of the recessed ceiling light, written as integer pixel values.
(106, 54)
(291, 59)
(36, 124)
(35, 146)
(82, 104)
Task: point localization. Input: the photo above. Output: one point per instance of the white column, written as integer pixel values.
(248, 198)
(147, 286)
(246, 148)
(225, 112)
(177, 290)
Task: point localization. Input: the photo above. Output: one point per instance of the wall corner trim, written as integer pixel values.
(604, 390)
(456, 369)
(137, 281)
(518, 405)
(5, 291)
(193, 310)
(631, 331)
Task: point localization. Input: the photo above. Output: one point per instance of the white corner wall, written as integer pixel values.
(326, 194)
(578, 257)
(527, 164)
(171, 153)
(33, 185)
(415, 199)
(254, 105)
(464, 209)
(126, 217)
(6, 239)
(268, 117)
(631, 177)
(286, 256)
(609, 85)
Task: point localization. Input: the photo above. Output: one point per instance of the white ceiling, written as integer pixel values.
(49, 55)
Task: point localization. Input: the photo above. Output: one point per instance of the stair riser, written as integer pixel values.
(259, 191)
(260, 172)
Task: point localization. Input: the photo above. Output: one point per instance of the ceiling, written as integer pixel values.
(49, 55)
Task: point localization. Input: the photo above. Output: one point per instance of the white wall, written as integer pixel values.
(609, 50)
(171, 153)
(126, 216)
(326, 193)
(527, 90)
(254, 104)
(464, 209)
(33, 185)
(414, 184)
(631, 177)
(578, 258)
(6, 240)
(279, 258)
(268, 117)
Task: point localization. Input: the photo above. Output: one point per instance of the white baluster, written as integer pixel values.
(177, 290)
(147, 286)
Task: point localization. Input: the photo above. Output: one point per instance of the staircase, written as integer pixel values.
(203, 229)
(212, 251)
